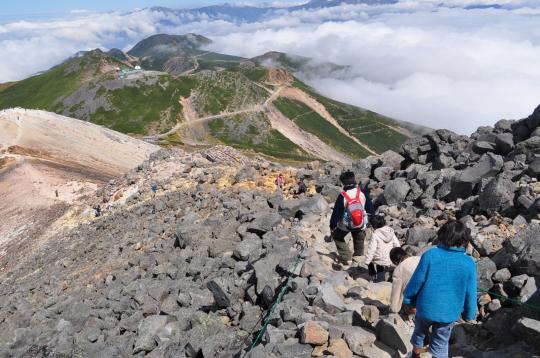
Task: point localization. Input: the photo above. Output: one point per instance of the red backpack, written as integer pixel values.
(355, 215)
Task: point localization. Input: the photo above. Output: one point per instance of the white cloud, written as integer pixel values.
(440, 66)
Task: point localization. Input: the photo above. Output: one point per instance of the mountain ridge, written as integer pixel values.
(170, 89)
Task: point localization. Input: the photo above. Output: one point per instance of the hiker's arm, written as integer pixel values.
(369, 204)
(372, 248)
(416, 282)
(397, 288)
(470, 295)
(337, 213)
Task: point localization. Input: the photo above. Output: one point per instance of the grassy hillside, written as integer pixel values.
(87, 88)
(253, 131)
(313, 123)
(369, 127)
(136, 109)
(6, 85)
(226, 91)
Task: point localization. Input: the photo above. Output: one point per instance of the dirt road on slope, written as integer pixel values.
(301, 96)
(310, 143)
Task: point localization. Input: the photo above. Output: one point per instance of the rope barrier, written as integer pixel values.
(518, 302)
(274, 305)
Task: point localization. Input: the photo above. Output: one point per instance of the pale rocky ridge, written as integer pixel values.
(187, 272)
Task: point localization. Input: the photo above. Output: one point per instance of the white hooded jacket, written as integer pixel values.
(381, 242)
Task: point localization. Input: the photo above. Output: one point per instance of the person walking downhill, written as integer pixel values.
(442, 288)
(350, 215)
(279, 181)
(382, 240)
(405, 267)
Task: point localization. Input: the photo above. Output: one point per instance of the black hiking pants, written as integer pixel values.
(343, 247)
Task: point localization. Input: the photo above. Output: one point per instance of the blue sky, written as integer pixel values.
(39, 9)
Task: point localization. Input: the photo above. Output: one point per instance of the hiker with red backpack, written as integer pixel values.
(350, 215)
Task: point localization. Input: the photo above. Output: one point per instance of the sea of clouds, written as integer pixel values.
(450, 64)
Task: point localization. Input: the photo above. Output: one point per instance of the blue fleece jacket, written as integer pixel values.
(339, 206)
(443, 285)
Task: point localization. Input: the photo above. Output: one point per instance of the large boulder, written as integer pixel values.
(522, 252)
(504, 143)
(485, 268)
(420, 236)
(534, 168)
(395, 334)
(316, 205)
(391, 159)
(529, 329)
(148, 331)
(264, 222)
(395, 191)
(383, 173)
(313, 333)
(358, 339)
(463, 185)
(497, 196)
(488, 166)
(529, 147)
(413, 148)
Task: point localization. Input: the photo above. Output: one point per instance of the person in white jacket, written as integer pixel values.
(405, 267)
(382, 240)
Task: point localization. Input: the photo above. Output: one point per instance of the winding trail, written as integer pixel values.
(290, 130)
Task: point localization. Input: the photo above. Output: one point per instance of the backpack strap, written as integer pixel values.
(358, 192)
(347, 198)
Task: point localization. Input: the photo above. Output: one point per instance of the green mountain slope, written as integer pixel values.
(170, 90)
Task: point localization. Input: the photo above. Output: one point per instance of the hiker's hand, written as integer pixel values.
(411, 310)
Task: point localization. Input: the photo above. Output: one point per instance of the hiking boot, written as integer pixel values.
(341, 266)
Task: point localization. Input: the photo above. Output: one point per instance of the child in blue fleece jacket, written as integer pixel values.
(442, 288)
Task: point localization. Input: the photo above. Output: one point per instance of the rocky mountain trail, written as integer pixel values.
(190, 269)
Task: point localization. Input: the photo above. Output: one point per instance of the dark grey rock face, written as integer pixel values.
(497, 196)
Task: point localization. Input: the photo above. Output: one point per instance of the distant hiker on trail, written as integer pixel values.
(350, 214)
(405, 266)
(154, 188)
(383, 239)
(56, 193)
(280, 181)
(97, 210)
(442, 288)
(302, 187)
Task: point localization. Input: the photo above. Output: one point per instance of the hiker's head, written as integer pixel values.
(347, 178)
(397, 254)
(377, 222)
(454, 234)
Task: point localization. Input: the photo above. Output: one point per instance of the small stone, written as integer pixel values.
(339, 348)
(502, 275)
(519, 281)
(318, 351)
(313, 333)
(370, 314)
(357, 338)
(494, 305)
(484, 299)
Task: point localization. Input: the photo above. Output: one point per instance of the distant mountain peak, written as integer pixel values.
(174, 43)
